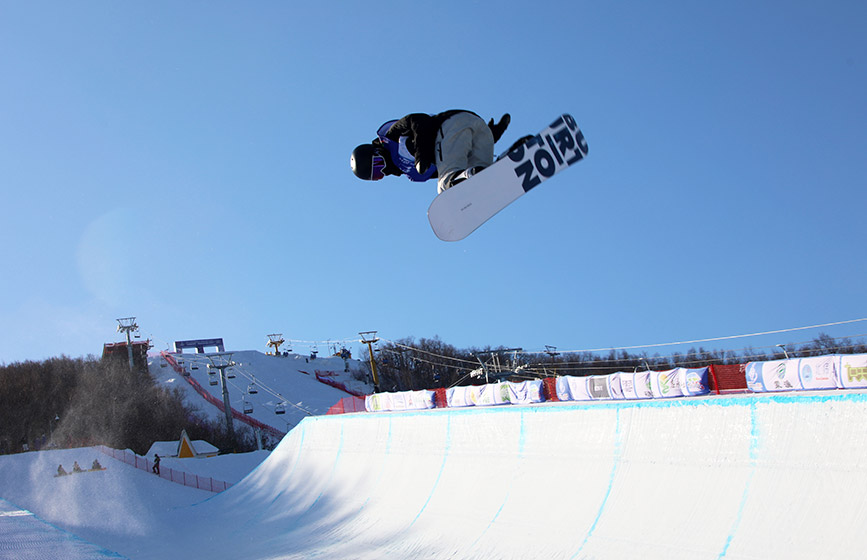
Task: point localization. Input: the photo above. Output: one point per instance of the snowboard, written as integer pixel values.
(457, 212)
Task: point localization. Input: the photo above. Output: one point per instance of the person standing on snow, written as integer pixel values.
(451, 146)
(156, 467)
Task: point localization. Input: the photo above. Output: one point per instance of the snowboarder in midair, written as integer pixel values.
(450, 146)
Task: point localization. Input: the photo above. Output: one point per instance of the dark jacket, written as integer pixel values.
(421, 131)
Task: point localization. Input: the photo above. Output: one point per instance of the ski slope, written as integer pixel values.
(746, 476)
(290, 380)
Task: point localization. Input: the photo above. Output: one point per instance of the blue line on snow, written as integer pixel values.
(754, 450)
(611, 477)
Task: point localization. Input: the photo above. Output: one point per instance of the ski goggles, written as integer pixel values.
(377, 169)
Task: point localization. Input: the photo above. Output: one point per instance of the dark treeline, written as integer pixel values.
(430, 363)
(71, 402)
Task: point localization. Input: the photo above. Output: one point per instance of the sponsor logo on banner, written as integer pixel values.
(853, 370)
(753, 370)
(780, 381)
(667, 382)
(855, 374)
(693, 383)
(599, 387)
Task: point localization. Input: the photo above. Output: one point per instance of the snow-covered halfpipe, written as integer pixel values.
(768, 476)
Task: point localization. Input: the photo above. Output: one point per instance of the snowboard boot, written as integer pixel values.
(498, 129)
(464, 175)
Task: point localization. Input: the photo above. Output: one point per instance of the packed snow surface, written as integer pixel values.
(289, 380)
(752, 476)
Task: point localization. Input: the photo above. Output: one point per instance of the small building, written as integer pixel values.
(184, 448)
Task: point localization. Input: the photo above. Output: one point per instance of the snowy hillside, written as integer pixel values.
(280, 390)
(62, 516)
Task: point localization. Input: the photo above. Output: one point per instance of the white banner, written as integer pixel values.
(571, 388)
(491, 394)
(459, 396)
(404, 400)
(821, 372)
(853, 370)
(526, 392)
(636, 385)
(615, 386)
(665, 384)
(779, 375)
(845, 371)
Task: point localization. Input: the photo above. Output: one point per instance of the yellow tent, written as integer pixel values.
(186, 449)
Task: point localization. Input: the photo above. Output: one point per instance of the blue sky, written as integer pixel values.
(188, 164)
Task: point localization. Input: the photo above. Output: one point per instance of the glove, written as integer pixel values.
(422, 163)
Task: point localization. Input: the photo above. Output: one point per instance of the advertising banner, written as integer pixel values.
(665, 384)
(404, 400)
(491, 394)
(374, 402)
(853, 370)
(636, 385)
(615, 388)
(597, 386)
(693, 381)
(526, 392)
(847, 371)
(571, 388)
(820, 372)
(778, 375)
(458, 396)
(416, 400)
(605, 386)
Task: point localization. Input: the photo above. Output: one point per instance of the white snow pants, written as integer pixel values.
(464, 140)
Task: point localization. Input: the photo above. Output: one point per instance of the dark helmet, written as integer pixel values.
(367, 163)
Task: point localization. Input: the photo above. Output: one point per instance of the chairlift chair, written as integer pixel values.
(251, 389)
(212, 378)
(280, 408)
(230, 373)
(248, 407)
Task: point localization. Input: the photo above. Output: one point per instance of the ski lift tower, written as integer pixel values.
(275, 340)
(499, 371)
(369, 338)
(222, 362)
(552, 351)
(127, 325)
